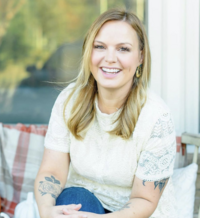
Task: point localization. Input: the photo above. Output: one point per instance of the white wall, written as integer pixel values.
(173, 31)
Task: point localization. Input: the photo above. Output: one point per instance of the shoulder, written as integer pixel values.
(155, 121)
(63, 95)
(66, 91)
(61, 99)
(155, 106)
(156, 103)
(154, 110)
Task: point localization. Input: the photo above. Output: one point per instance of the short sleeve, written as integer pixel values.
(156, 161)
(58, 135)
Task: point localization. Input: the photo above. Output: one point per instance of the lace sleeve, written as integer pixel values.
(156, 161)
(58, 136)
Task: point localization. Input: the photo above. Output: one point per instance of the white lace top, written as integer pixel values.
(106, 164)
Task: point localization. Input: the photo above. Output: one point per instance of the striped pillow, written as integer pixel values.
(21, 150)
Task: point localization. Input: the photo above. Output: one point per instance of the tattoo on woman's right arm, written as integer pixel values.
(50, 186)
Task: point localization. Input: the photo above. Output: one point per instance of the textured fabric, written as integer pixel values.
(106, 164)
(21, 151)
(157, 159)
(77, 195)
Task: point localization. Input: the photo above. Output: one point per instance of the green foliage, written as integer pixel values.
(41, 26)
(15, 44)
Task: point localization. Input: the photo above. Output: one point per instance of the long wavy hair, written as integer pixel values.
(83, 109)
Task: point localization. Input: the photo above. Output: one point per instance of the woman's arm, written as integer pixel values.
(50, 181)
(143, 201)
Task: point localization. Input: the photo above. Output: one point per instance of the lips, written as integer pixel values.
(110, 74)
(110, 70)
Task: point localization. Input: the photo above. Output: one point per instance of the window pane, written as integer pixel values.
(40, 43)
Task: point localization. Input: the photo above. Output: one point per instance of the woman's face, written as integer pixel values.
(115, 56)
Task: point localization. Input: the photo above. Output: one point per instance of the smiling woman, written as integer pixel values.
(110, 141)
(115, 57)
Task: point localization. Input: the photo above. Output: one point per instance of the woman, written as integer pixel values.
(116, 135)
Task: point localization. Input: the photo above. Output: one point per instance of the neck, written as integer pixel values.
(110, 101)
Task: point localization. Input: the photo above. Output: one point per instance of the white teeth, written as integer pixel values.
(106, 70)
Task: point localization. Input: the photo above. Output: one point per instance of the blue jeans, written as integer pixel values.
(77, 195)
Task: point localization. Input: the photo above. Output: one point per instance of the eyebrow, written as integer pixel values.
(117, 44)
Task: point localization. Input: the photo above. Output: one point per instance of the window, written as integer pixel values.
(40, 43)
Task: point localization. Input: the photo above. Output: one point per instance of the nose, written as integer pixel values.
(110, 56)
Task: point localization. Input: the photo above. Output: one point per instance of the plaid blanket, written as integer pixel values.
(21, 151)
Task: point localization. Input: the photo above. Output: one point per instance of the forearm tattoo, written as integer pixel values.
(50, 186)
(125, 206)
(160, 183)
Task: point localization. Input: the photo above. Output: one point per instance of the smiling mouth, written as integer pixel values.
(110, 70)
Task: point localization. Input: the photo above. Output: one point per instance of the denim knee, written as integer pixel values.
(77, 195)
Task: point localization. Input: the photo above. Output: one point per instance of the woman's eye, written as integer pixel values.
(99, 46)
(124, 49)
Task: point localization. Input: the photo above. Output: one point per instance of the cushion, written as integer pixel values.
(184, 180)
(21, 151)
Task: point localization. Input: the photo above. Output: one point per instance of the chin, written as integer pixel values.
(109, 86)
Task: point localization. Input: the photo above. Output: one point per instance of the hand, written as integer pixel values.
(57, 211)
(78, 214)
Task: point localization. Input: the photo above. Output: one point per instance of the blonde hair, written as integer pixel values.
(83, 109)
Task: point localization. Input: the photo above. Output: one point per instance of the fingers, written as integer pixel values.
(71, 216)
(73, 206)
(77, 207)
(70, 206)
(68, 211)
(74, 214)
